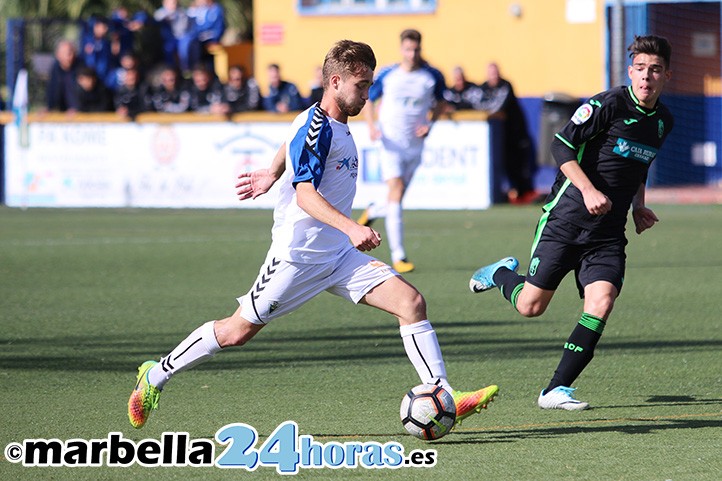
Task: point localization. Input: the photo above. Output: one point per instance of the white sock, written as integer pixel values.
(198, 347)
(377, 211)
(395, 231)
(422, 348)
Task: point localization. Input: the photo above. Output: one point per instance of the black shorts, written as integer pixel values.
(563, 247)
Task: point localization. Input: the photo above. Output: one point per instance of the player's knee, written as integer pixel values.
(534, 308)
(412, 306)
(600, 306)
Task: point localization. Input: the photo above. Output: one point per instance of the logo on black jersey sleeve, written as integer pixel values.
(583, 113)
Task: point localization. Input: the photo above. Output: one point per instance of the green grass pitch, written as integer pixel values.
(87, 295)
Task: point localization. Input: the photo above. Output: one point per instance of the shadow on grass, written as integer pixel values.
(323, 345)
(624, 426)
(668, 401)
(561, 429)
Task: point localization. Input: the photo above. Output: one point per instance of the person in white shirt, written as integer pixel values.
(316, 245)
(406, 99)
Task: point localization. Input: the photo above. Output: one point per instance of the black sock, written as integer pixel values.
(578, 351)
(509, 283)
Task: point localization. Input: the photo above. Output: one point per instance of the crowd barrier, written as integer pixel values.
(193, 160)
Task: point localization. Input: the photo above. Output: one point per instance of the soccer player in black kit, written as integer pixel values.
(603, 153)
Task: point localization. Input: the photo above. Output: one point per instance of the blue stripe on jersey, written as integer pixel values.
(439, 82)
(377, 88)
(376, 91)
(310, 147)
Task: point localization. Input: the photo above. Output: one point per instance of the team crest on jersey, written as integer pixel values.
(533, 266)
(582, 114)
(273, 306)
(660, 128)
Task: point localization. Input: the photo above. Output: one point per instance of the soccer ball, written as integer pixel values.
(428, 412)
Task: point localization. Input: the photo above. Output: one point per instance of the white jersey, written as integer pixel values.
(407, 99)
(320, 150)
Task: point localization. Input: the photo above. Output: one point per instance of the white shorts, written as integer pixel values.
(397, 162)
(282, 287)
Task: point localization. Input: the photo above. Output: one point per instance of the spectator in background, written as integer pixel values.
(462, 95)
(176, 32)
(93, 95)
(241, 93)
(137, 33)
(316, 88)
(170, 96)
(206, 93)
(97, 51)
(209, 24)
(130, 99)
(123, 27)
(61, 94)
(498, 98)
(116, 79)
(282, 96)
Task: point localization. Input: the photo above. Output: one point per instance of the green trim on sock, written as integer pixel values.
(593, 323)
(515, 294)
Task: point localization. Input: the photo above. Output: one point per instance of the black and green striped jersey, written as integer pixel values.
(614, 139)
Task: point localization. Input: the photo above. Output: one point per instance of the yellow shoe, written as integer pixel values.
(403, 266)
(471, 402)
(144, 398)
(364, 219)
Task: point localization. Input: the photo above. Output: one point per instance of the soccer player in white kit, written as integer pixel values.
(404, 93)
(316, 245)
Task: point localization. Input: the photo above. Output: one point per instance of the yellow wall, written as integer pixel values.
(538, 51)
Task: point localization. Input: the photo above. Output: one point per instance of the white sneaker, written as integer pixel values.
(561, 397)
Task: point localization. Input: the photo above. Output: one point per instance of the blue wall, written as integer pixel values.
(697, 119)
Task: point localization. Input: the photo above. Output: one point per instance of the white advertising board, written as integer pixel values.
(196, 164)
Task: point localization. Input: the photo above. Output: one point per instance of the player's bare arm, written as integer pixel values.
(596, 202)
(362, 237)
(644, 218)
(439, 108)
(258, 182)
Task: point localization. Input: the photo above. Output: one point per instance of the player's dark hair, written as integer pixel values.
(411, 34)
(651, 45)
(347, 57)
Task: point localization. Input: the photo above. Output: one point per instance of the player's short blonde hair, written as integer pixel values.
(347, 57)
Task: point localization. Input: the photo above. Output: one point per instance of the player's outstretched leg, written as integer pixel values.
(144, 397)
(561, 397)
(366, 218)
(472, 402)
(483, 278)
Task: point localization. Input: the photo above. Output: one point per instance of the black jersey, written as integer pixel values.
(614, 139)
